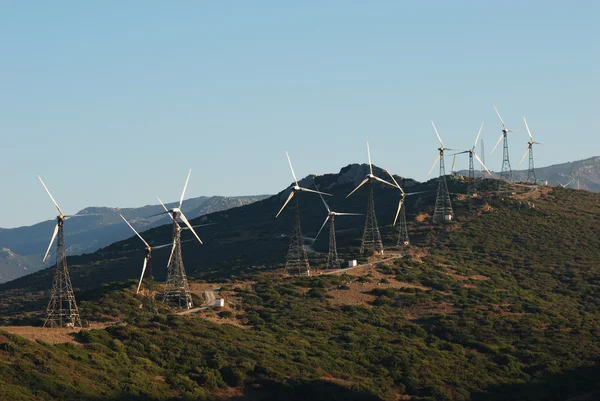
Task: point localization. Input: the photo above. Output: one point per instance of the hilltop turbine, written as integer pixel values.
(149, 250)
(333, 261)
(400, 212)
(473, 154)
(443, 208)
(531, 179)
(506, 172)
(177, 290)
(371, 236)
(296, 259)
(62, 307)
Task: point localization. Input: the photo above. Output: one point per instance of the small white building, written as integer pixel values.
(219, 302)
(352, 263)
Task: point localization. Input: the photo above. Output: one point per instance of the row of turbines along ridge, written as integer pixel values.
(62, 310)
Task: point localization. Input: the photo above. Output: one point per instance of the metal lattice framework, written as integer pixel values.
(443, 208)
(177, 290)
(62, 309)
(471, 188)
(371, 238)
(506, 171)
(296, 262)
(531, 178)
(333, 262)
(403, 239)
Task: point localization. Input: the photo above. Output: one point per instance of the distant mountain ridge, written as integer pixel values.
(22, 248)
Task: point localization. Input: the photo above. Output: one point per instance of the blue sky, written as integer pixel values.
(112, 102)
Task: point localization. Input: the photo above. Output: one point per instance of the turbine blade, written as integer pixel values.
(291, 195)
(478, 134)
(51, 241)
(164, 207)
(161, 246)
(483, 165)
(313, 191)
(398, 211)
(51, 197)
(142, 276)
(420, 192)
(527, 126)
(171, 255)
(523, 158)
(497, 143)
(434, 163)
(291, 168)
(502, 121)
(438, 135)
(348, 214)
(359, 185)
(323, 199)
(184, 188)
(385, 182)
(187, 223)
(138, 234)
(454, 163)
(393, 179)
(321, 229)
(369, 153)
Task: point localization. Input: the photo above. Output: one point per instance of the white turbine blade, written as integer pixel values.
(323, 199)
(454, 163)
(51, 242)
(393, 179)
(171, 255)
(523, 158)
(527, 126)
(184, 188)
(347, 214)
(369, 153)
(321, 229)
(438, 135)
(51, 197)
(483, 165)
(187, 223)
(142, 276)
(313, 191)
(478, 134)
(166, 210)
(138, 234)
(420, 192)
(291, 195)
(291, 168)
(502, 121)
(497, 143)
(385, 182)
(162, 246)
(359, 185)
(434, 163)
(398, 211)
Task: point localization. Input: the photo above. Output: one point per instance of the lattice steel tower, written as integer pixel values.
(62, 309)
(531, 178)
(403, 239)
(177, 290)
(371, 238)
(296, 261)
(333, 262)
(506, 175)
(443, 208)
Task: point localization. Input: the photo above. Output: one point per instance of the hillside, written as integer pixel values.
(501, 305)
(92, 229)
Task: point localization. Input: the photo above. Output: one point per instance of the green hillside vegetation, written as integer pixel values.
(501, 305)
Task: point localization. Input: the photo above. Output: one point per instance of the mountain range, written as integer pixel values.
(22, 248)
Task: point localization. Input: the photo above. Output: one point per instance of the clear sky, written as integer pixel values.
(112, 102)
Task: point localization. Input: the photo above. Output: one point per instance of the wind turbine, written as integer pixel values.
(62, 307)
(333, 261)
(371, 236)
(177, 290)
(443, 208)
(473, 154)
(506, 171)
(149, 250)
(296, 259)
(400, 212)
(531, 179)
